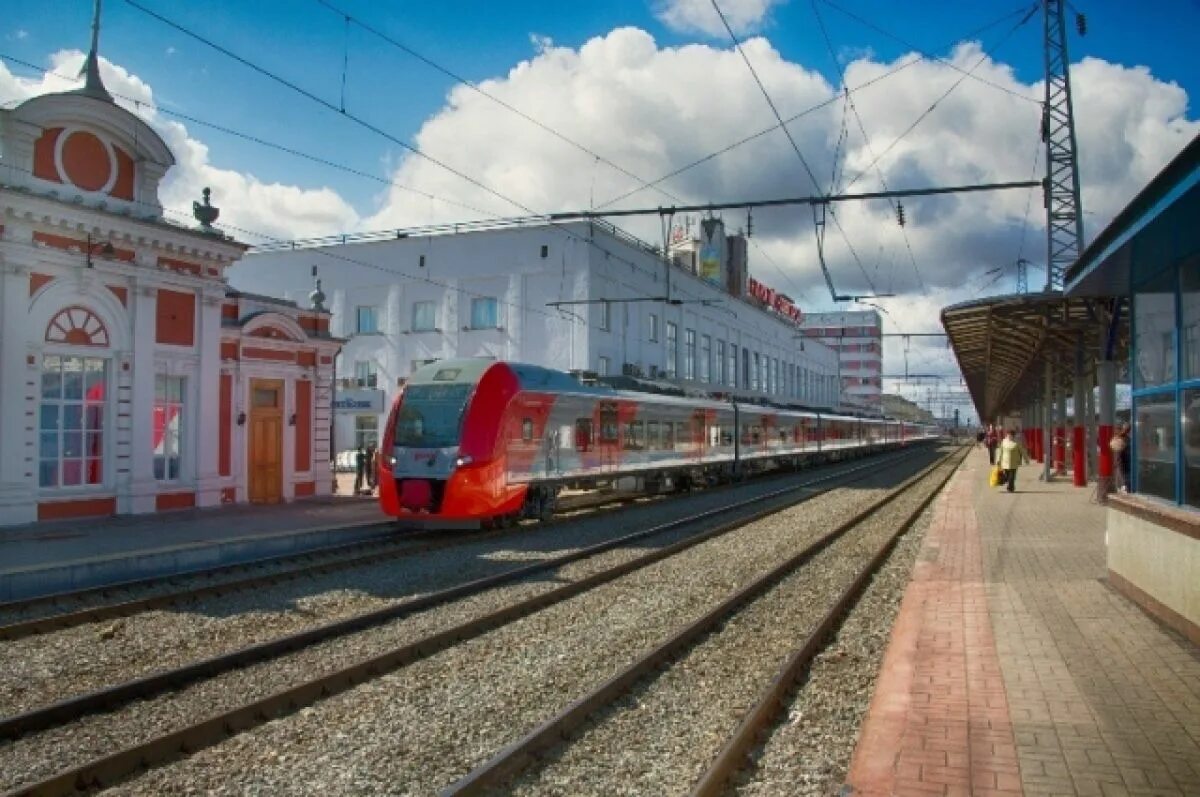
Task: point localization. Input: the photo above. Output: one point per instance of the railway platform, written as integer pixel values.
(1014, 668)
(57, 556)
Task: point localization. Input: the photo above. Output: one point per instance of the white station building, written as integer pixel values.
(578, 296)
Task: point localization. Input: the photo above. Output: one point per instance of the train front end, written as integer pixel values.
(441, 457)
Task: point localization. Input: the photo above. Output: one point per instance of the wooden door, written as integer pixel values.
(266, 441)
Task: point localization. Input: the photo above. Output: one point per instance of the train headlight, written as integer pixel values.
(465, 459)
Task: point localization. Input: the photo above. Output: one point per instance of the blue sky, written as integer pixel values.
(652, 103)
(305, 42)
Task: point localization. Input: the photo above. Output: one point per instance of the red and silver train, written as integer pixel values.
(480, 440)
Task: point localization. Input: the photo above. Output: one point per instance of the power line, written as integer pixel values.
(255, 140)
(818, 229)
(823, 104)
(986, 54)
(866, 139)
(476, 88)
(927, 56)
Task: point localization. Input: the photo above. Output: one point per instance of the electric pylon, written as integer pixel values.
(1064, 212)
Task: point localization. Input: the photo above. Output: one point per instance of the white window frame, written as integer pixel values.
(166, 403)
(705, 358)
(605, 310)
(672, 350)
(99, 432)
(479, 301)
(721, 365)
(417, 307)
(602, 366)
(689, 354)
(653, 327)
(372, 313)
(366, 373)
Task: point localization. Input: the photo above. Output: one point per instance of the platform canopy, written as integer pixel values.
(1003, 342)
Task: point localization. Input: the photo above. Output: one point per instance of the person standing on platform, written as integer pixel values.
(991, 439)
(360, 469)
(1119, 445)
(371, 468)
(1012, 456)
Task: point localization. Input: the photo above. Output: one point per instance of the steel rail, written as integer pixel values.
(114, 696)
(512, 759)
(107, 770)
(328, 560)
(774, 698)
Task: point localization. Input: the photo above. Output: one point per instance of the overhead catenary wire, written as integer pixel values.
(818, 229)
(352, 117)
(933, 106)
(926, 55)
(916, 59)
(254, 140)
(866, 142)
(479, 90)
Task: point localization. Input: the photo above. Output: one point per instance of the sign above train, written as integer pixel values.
(774, 300)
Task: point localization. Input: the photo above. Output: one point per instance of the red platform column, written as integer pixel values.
(1106, 376)
(1060, 432)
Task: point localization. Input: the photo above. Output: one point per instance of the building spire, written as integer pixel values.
(93, 86)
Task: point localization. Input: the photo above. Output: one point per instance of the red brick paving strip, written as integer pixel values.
(939, 720)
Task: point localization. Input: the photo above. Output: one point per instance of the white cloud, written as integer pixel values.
(22, 34)
(247, 203)
(699, 16)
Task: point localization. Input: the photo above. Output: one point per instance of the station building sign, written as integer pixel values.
(358, 400)
(778, 302)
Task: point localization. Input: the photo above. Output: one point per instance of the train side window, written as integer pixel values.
(668, 436)
(726, 435)
(527, 430)
(756, 433)
(652, 441)
(608, 423)
(634, 438)
(682, 433)
(583, 434)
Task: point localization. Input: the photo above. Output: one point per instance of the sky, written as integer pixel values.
(634, 90)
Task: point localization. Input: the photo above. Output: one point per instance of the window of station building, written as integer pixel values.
(1189, 318)
(756, 373)
(368, 320)
(602, 366)
(168, 426)
(721, 369)
(366, 373)
(733, 365)
(485, 313)
(71, 421)
(653, 327)
(705, 357)
(672, 349)
(689, 354)
(366, 431)
(1154, 331)
(745, 368)
(424, 316)
(1191, 447)
(1154, 435)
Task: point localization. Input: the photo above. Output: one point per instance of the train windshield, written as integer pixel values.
(431, 415)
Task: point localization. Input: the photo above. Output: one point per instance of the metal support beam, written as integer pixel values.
(1064, 211)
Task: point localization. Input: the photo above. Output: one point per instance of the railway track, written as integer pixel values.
(611, 729)
(48, 613)
(135, 757)
(32, 616)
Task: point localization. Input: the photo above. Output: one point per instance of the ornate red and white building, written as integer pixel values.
(132, 378)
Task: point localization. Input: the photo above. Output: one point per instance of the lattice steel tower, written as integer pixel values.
(1064, 211)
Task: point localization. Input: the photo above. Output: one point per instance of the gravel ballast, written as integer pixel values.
(43, 753)
(662, 736)
(42, 669)
(419, 729)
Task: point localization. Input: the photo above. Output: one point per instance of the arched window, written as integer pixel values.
(77, 326)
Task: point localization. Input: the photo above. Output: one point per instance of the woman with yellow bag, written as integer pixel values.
(1011, 456)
